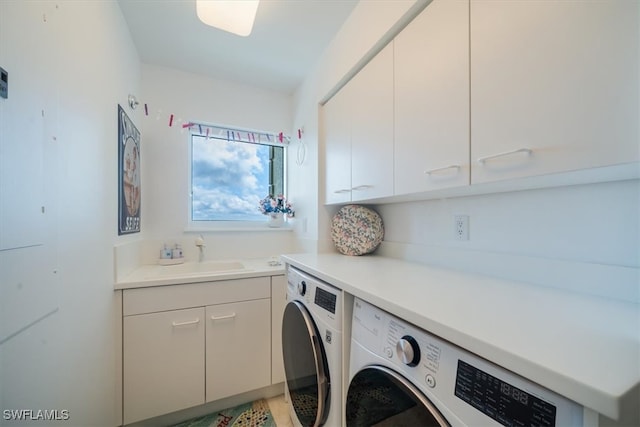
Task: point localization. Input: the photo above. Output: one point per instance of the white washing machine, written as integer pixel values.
(312, 350)
(400, 375)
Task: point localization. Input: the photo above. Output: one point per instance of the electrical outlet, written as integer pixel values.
(461, 227)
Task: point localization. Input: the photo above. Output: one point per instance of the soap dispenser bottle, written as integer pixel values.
(177, 252)
(165, 252)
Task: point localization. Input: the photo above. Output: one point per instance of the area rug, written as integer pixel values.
(252, 414)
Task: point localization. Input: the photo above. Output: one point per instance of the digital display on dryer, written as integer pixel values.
(505, 403)
(326, 300)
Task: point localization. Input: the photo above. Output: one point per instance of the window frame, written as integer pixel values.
(197, 226)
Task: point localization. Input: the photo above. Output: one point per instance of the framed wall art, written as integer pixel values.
(128, 175)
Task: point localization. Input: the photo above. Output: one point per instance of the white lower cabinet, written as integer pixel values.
(238, 348)
(185, 345)
(163, 362)
(278, 304)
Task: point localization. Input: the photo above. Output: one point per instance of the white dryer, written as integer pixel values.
(312, 350)
(403, 376)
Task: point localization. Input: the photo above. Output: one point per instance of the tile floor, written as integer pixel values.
(280, 411)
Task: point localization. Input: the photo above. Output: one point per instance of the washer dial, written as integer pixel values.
(408, 350)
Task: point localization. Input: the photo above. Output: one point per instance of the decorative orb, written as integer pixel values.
(356, 230)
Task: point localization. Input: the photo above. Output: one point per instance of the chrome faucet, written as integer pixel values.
(200, 245)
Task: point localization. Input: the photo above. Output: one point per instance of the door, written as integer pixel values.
(337, 135)
(431, 81)
(372, 128)
(278, 303)
(554, 86)
(238, 348)
(378, 396)
(163, 363)
(305, 365)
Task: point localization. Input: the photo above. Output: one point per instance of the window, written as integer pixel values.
(231, 174)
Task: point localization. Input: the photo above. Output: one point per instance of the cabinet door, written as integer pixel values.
(163, 363)
(278, 302)
(432, 99)
(554, 86)
(372, 128)
(337, 137)
(238, 348)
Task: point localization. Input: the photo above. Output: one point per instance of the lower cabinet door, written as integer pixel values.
(278, 303)
(163, 362)
(238, 348)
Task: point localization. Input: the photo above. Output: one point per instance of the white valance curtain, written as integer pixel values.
(238, 135)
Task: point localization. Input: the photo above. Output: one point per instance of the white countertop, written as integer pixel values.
(194, 272)
(583, 347)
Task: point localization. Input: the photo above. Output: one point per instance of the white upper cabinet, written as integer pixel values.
(337, 128)
(432, 99)
(372, 128)
(358, 123)
(481, 91)
(554, 86)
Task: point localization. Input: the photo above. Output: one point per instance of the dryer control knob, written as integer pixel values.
(302, 288)
(408, 350)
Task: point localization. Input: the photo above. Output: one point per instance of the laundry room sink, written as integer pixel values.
(188, 269)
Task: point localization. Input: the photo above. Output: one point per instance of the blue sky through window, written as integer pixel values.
(228, 179)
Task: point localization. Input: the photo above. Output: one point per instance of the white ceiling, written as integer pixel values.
(287, 39)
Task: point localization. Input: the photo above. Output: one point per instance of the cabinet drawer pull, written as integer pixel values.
(362, 187)
(344, 190)
(228, 316)
(456, 167)
(188, 322)
(528, 151)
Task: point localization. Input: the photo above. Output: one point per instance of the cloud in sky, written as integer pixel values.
(228, 179)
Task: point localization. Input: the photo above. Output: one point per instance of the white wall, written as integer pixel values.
(584, 238)
(595, 223)
(85, 65)
(165, 154)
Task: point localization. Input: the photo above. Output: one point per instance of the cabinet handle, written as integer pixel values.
(506, 153)
(456, 167)
(344, 190)
(362, 187)
(188, 322)
(228, 316)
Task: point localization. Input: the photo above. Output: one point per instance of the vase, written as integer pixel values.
(276, 219)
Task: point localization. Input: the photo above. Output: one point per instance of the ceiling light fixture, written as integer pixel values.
(234, 16)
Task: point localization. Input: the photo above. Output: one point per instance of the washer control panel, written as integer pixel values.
(319, 297)
(504, 402)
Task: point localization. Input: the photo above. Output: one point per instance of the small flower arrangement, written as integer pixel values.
(272, 205)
